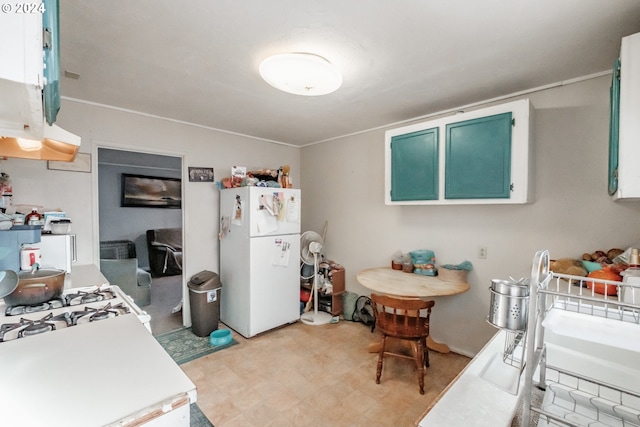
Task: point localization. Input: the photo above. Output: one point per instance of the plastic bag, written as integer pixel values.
(624, 257)
(424, 262)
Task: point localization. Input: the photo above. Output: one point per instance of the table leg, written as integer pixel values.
(437, 346)
(374, 347)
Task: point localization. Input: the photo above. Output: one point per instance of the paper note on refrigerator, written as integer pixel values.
(264, 204)
(281, 253)
(278, 206)
(266, 222)
(224, 226)
(238, 211)
(293, 210)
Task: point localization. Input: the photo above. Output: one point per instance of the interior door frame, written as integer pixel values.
(186, 312)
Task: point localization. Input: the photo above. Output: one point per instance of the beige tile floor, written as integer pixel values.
(302, 375)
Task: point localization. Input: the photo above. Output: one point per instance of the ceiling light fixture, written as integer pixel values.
(29, 144)
(301, 74)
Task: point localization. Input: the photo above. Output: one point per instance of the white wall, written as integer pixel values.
(343, 183)
(73, 192)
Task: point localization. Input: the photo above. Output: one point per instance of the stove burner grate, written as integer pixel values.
(27, 327)
(91, 314)
(76, 298)
(79, 306)
(17, 310)
(83, 297)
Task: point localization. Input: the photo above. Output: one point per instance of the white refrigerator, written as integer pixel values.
(259, 258)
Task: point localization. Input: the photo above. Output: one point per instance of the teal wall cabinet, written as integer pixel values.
(624, 134)
(414, 165)
(614, 128)
(477, 157)
(51, 47)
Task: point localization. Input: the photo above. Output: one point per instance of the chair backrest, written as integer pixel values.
(167, 236)
(401, 317)
(121, 272)
(117, 249)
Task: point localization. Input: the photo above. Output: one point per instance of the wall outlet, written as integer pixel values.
(482, 252)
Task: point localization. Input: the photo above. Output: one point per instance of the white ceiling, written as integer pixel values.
(197, 61)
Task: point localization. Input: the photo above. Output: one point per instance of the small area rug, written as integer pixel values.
(184, 346)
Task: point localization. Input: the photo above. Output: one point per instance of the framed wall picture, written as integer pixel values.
(200, 174)
(142, 191)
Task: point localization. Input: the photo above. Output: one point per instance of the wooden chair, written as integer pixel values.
(400, 318)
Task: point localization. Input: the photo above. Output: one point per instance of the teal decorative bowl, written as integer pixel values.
(220, 337)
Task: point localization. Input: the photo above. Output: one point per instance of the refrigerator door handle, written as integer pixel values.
(74, 248)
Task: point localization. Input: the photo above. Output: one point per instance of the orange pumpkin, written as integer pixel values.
(605, 273)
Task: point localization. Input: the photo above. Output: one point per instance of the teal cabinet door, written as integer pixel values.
(51, 48)
(614, 128)
(414, 166)
(478, 158)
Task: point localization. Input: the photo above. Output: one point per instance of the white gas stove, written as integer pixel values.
(75, 307)
(63, 341)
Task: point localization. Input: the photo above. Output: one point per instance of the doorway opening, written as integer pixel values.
(153, 216)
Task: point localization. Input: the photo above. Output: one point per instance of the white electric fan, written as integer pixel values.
(310, 248)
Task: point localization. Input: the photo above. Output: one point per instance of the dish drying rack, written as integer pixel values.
(571, 398)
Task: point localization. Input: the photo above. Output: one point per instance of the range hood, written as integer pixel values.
(29, 88)
(54, 143)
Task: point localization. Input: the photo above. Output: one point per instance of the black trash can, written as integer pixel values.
(204, 299)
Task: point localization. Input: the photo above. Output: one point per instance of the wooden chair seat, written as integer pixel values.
(404, 319)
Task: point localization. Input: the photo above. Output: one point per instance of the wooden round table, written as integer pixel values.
(386, 280)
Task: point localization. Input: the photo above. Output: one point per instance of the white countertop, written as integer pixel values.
(87, 376)
(84, 275)
(471, 400)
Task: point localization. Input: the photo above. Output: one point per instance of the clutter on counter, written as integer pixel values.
(6, 222)
(6, 192)
(240, 177)
(423, 261)
(60, 226)
(49, 221)
(609, 267)
(33, 218)
(455, 273)
(615, 258)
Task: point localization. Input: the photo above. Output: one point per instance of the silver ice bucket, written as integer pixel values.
(509, 304)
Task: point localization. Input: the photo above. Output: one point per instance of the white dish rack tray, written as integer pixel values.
(583, 350)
